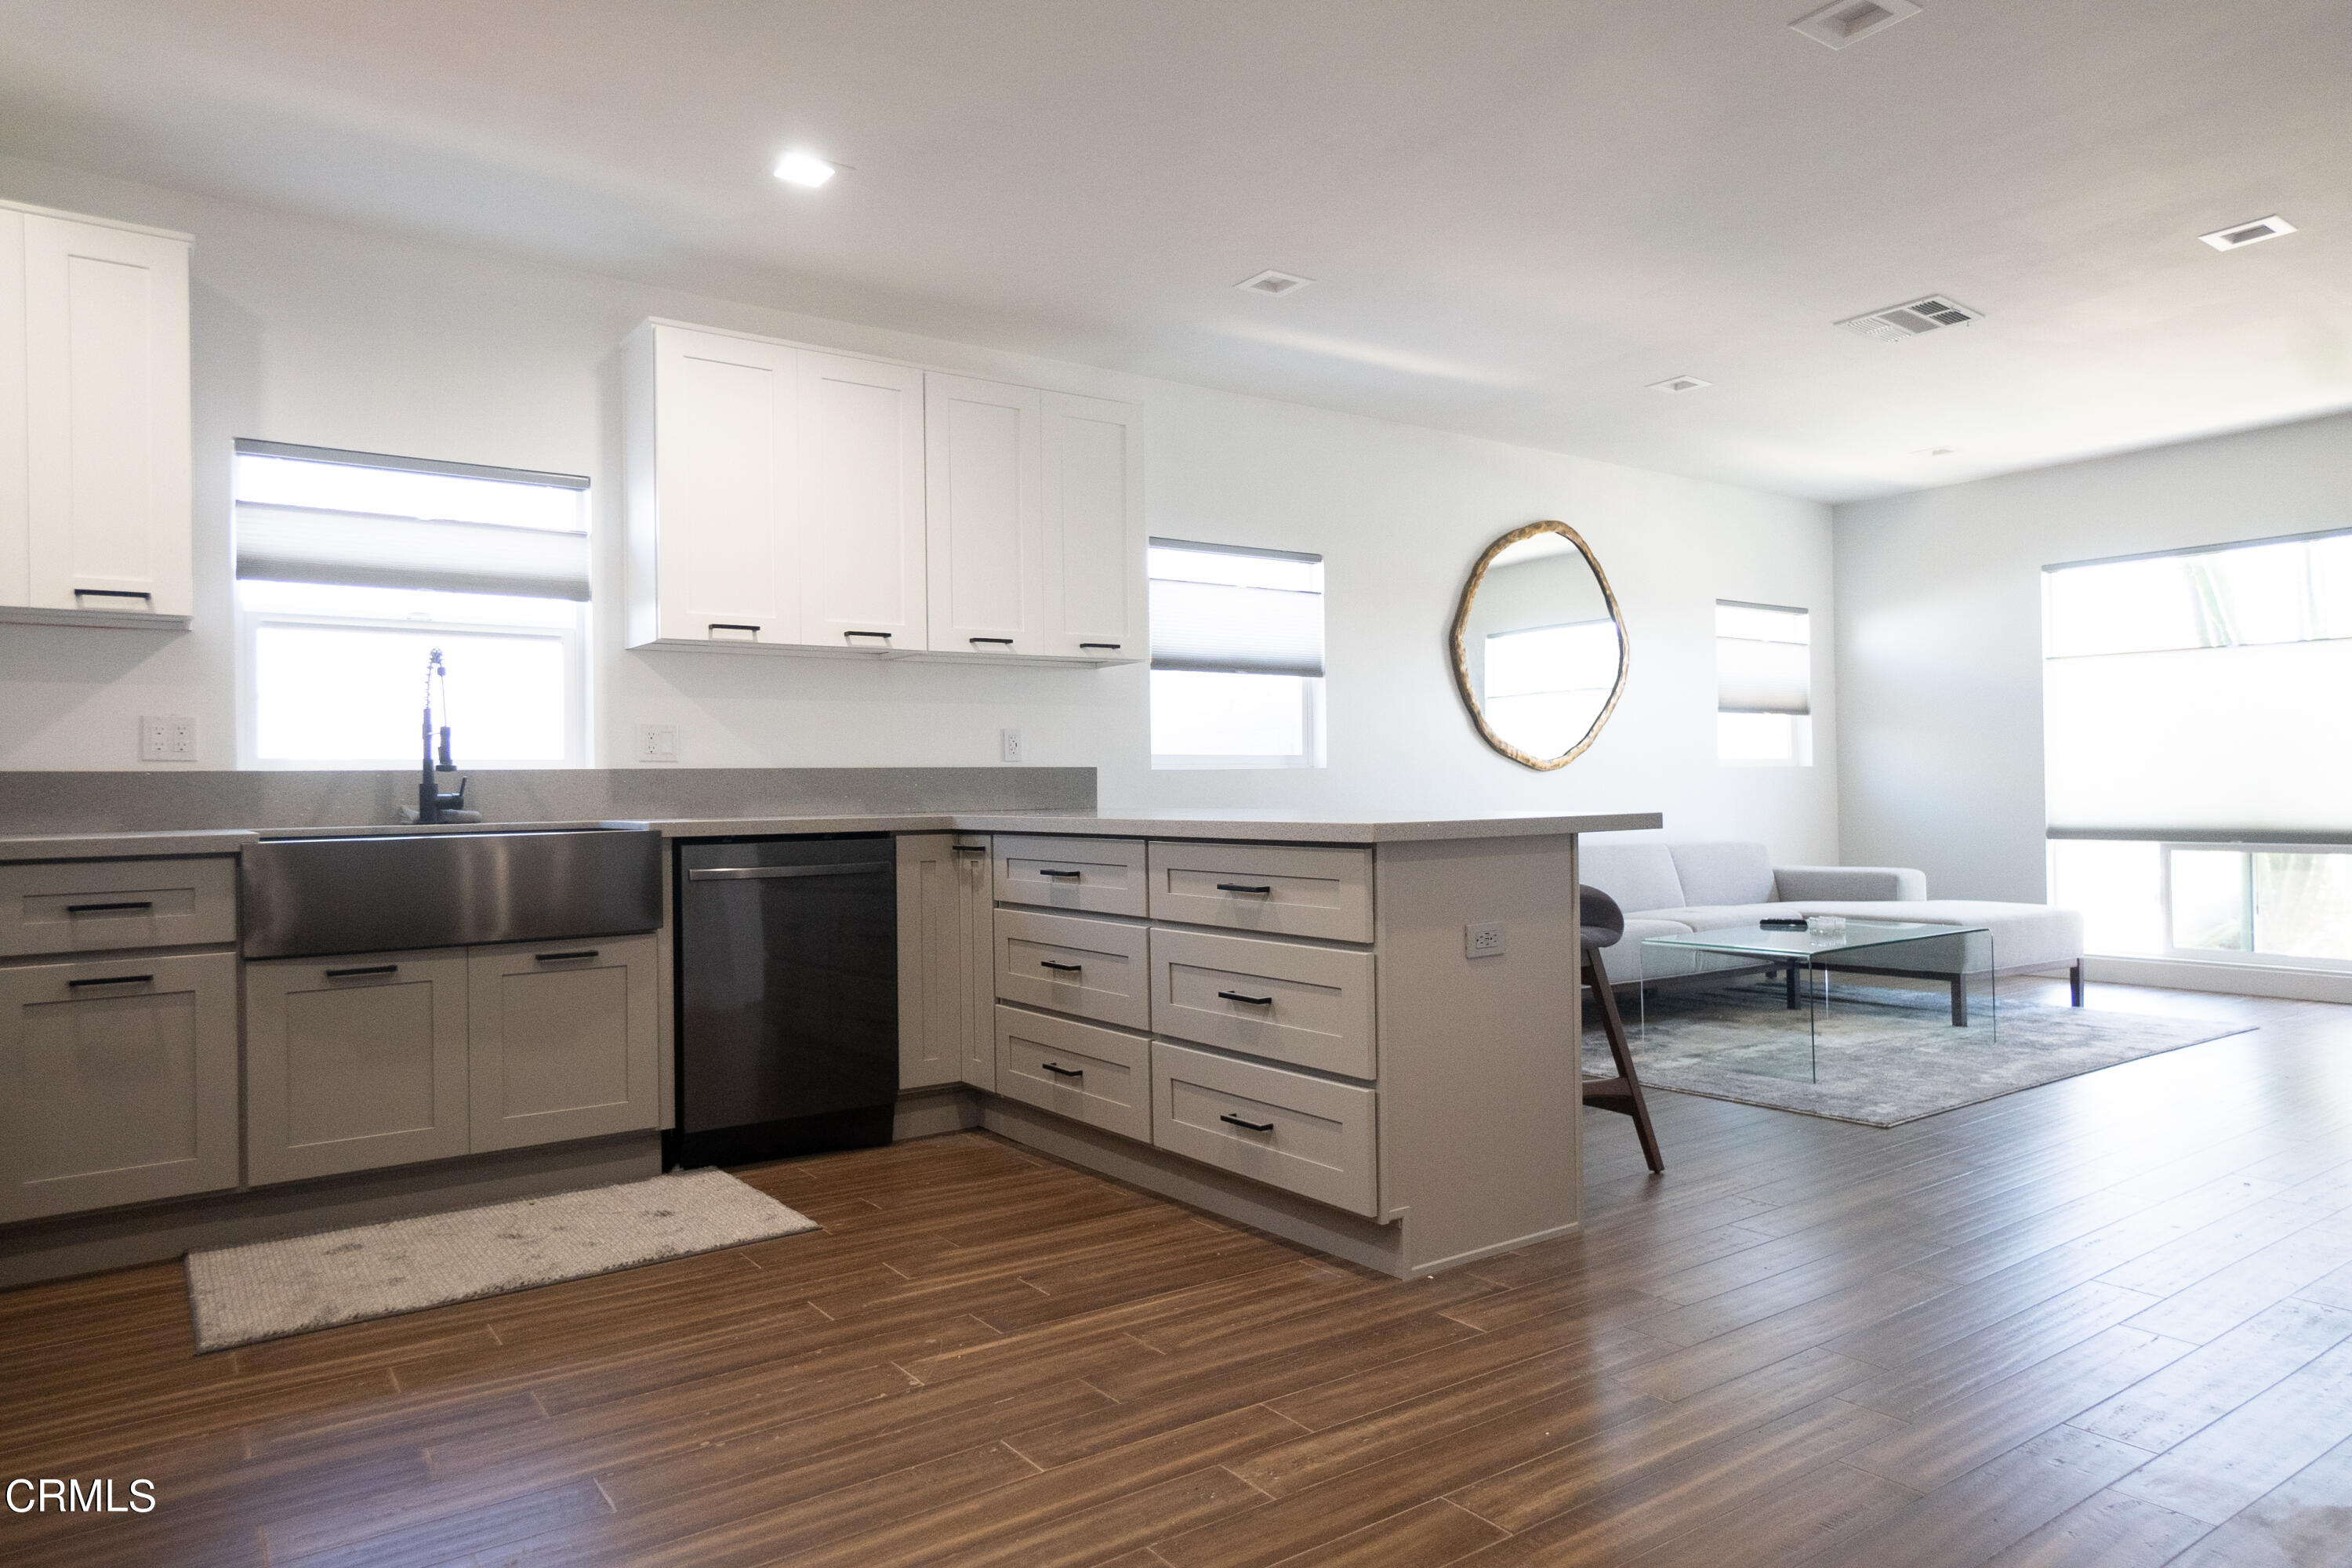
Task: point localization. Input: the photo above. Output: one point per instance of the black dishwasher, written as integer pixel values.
(788, 997)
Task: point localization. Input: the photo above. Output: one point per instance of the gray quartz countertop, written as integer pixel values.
(1254, 826)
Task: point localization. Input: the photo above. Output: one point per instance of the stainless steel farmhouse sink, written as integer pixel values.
(305, 897)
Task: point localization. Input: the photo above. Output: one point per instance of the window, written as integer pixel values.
(1236, 656)
(2193, 753)
(1764, 684)
(351, 566)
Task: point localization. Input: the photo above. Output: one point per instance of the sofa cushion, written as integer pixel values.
(1727, 917)
(2024, 936)
(1728, 872)
(1852, 882)
(1639, 874)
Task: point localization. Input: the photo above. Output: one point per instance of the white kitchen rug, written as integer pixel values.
(271, 1289)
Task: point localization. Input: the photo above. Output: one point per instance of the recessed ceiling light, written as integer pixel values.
(1679, 383)
(1847, 22)
(803, 169)
(1272, 282)
(2254, 232)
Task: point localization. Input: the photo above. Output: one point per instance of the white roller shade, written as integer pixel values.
(1242, 611)
(1763, 676)
(305, 544)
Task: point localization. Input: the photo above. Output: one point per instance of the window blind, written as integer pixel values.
(1763, 659)
(2201, 693)
(317, 515)
(1235, 610)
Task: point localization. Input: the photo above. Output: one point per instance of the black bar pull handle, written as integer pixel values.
(1240, 888)
(883, 636)
(1058, 1070)
(366, 969)
(96, 909)
(560, 957)
(1253, 1126)
(1253, 1001)
(1005, 641)
(114, 593)
(1064, 968)
(969, 848)
(113, 980)
(1112, 646)
(1072, 876)
(733, 627)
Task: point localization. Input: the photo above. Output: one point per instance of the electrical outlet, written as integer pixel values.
(1013, 746)
(1484, 940)
(656, 743)
(167, 738)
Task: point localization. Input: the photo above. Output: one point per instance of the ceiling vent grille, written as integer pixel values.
(1679, 383)
(1851, 21)
(1272, 282)
(1901, 323)
(2253, 233)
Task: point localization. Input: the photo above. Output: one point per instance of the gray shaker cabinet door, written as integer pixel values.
(947, 984)
(564, 1038)
(118, 1082)
(354, 1063)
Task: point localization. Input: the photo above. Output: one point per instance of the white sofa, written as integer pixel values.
(1667, 888)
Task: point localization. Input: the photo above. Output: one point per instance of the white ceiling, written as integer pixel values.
(1517, 213)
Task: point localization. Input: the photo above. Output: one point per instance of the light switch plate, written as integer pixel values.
(656, 743)
(1484, 940)
(1012, 752)
(167, 738)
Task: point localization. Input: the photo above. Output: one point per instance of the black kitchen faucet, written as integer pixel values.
(431, 803)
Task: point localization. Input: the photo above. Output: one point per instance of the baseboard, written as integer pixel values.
(152, 1232)
(2234, 979)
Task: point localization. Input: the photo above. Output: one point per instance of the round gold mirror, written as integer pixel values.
(1539, 645)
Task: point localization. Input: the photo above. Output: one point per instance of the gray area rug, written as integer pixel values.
(271, 1289)
(1885, 1056)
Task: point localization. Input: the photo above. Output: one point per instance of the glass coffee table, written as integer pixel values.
(1770, 994)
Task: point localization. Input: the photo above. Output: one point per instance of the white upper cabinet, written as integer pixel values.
(786, 498)
(724, 491)
(1094, 528)
(94, 421)
(987, 515)
(861, 521)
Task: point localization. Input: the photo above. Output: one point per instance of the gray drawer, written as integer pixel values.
(88, 906)
(1279, 889)
(1093, 875)
(1306, 1135)
(1311, 1006)
(1084, 1071)
(1093, 969)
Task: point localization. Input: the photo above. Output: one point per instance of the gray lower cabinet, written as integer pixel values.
(354, 1063)
(947, 989)
(118, 1082)
(564, 1040)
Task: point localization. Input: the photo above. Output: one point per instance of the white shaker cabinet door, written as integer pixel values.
(15, 583)
(1094, 528)
(106, 480)
(984, 474)
(728, 557)
(861, 512)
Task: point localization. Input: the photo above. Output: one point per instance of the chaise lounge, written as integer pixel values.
(1668, 889)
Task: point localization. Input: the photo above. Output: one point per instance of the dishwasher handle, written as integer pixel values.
(762, 873)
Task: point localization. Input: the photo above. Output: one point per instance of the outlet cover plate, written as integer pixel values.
(656, 743)
(169, 738)
(1012, 748)
(1482, 940)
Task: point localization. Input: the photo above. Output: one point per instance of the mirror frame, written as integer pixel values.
(1461, 659)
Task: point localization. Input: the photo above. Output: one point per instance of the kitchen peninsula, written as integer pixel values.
(1276, 1018)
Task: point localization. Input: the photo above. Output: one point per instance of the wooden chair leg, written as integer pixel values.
(1621, 1094)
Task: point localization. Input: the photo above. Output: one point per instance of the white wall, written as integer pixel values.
(323, 333)
(1940, 630)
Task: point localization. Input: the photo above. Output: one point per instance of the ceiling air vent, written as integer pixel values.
(1679, 383)
(1272, 282)
(1901, 323)
(1851, 21)
(2253, 233)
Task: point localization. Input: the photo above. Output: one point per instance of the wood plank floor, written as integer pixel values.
(2104, 1323)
